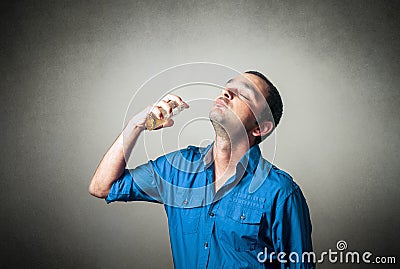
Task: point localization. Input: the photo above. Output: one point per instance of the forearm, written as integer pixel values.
(113, 163)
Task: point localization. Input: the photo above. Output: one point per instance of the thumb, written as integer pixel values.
(169, 123)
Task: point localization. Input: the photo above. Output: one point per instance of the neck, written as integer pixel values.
(229, 146)
(227, 153)
(226, 156)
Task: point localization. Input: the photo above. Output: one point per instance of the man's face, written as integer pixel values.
(240, 102)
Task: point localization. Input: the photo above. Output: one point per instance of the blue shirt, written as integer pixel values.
(259, 209)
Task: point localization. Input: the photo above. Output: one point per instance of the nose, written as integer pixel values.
(227, 94)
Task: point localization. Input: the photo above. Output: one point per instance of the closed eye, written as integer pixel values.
(244, 96)
(239, 92)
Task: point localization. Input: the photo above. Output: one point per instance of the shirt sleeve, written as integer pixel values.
(138, 184)
(292, 233)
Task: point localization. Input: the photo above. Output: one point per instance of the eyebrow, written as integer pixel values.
(229, 81)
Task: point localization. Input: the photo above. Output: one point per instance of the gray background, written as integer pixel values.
(68, 70)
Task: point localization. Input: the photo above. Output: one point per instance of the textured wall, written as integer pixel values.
(69, 69)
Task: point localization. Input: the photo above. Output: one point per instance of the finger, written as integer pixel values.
(182, 103)
(177, 99)
(167, 107)
(170, 97)
(157, 112)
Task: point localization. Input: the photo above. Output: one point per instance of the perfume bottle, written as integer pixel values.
(152, 122)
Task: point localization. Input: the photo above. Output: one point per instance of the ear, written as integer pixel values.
(263, 128)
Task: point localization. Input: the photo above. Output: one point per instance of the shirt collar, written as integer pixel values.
(207, 155)
(249, 160)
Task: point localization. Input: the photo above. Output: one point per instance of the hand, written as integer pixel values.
(163, 109)
(160, 110)
(160, 115)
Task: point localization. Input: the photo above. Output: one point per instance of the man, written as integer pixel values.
(227, 207)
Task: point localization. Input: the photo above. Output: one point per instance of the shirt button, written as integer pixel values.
(211, 214)
(185, 202)
(242, 217)
(206, 245)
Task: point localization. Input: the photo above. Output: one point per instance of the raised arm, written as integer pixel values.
(113, 163)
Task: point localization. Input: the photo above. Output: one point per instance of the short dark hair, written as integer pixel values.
(273, 99)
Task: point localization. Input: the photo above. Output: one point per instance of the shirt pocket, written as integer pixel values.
(240, 228)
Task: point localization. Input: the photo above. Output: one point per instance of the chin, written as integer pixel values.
(215, 115)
